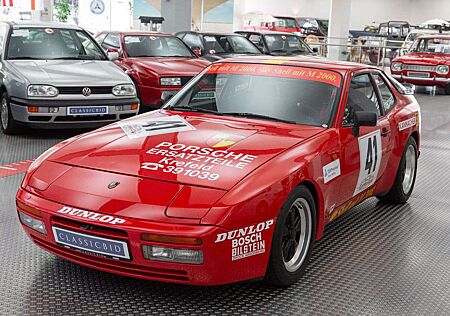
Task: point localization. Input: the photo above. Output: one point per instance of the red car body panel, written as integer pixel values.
(423, 59)
(147, 71)
(276, 157)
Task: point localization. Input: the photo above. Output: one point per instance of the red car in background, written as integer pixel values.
(227, 182)
(159, 64)
(427, 62)
(272, 23)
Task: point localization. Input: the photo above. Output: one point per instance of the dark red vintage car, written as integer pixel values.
(158, 63)
(427, 62)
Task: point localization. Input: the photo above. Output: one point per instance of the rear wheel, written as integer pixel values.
(406, 176)
(293, 238)
(7, 123)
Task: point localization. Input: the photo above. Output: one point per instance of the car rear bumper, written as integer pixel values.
(422, 81)
(53, 113)
(218, 267)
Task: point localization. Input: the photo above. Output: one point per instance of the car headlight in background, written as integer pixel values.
(170, 81)
(176, 255)
(38, 90)
(396, 66)
(124, 90)
(442, 69)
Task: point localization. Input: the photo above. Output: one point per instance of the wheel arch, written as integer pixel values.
(318, 200)
(415, 135)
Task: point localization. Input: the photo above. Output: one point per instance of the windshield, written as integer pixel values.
(155, 46)
(432, 45)
(217, 44)
(286, 45)
(52, 43)
(300, 95)
(323, 24)
(285, 22)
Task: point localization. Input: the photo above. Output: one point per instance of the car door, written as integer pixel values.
(364, 156)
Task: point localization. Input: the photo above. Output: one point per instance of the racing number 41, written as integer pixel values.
(372, 156)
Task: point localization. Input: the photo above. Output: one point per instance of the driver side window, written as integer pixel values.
(361, 97)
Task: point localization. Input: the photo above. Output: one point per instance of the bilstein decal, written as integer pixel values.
(407, 123)
(91, 215)
(247, 241)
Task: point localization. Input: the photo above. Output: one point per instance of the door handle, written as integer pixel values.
(385, 132)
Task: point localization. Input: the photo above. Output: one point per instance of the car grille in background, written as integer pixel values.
(79, 90)
(418, 67)
(185, 80)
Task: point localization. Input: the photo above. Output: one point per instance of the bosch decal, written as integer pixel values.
(247, 241)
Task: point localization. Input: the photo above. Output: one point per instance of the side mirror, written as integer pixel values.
(364, 118)
(112, 53)
(197, 51)
(315, 50)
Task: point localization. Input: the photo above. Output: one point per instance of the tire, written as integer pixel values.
(7, 123)
(288, 261)
(447, 89)
(406, 176)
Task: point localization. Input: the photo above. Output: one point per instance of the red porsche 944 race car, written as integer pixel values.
(234, 179)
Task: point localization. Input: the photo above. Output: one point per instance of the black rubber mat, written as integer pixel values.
(375, 260)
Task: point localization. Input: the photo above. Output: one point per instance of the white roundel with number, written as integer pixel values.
(370, 154)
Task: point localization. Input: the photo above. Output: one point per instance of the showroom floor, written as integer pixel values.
(375, 260)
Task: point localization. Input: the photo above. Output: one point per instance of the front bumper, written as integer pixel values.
(60, 119)
(151, 97)
(422, 81)
(218, 267)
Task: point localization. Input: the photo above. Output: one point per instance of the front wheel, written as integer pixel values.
(7, 123)
(406, 176)
(293, 238)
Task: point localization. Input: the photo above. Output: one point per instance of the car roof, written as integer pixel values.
(264, 32)
(300, 61)
(210, 33)
(445, 36)
(125, 33)
(45, 25)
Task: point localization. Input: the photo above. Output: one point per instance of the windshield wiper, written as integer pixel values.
(258, 116)
(74, 58)
(25, 58)
(188, 108)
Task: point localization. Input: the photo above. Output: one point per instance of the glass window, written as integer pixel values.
(299, 97)
(112, 40)
(286, 45)
(285, 22)
(388, 99)
(101, 37)
(193, 41)
(361, 97)
(52, 43)
(433, 45)
(155, 46)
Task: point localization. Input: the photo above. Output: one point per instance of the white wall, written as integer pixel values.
(363, 11)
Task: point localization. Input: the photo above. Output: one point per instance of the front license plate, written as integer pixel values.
(91, 244)
(87, 110)
(419, 74)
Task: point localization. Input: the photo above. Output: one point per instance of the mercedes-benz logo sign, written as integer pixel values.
(113, 185)
(86, 92)
(97, 6)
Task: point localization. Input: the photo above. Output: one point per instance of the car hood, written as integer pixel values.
(198, 150)
(425, 59)
(166, 66)
(70, 72)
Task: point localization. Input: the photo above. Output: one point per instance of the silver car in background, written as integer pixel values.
(57, 76)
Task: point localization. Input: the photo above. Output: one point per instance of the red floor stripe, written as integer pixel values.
(14, 168)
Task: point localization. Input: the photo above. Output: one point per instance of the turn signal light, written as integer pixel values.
(29, 209)
(134, 107)
(172, 239)
(33, 109)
